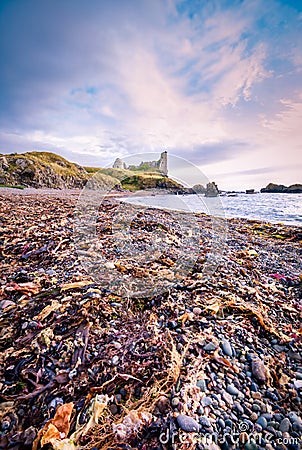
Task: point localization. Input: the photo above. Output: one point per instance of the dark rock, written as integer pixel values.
(163, 404)
(211, 190)
(280, 188)
(259, 370)
(199, 189)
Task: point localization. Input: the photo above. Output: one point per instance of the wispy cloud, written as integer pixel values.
(213, 81)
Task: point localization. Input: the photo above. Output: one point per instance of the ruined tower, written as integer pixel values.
(118, 164)
(163, 163)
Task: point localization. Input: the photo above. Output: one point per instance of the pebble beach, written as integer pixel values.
(211, 360)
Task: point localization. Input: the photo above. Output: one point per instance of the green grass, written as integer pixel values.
(11, 186)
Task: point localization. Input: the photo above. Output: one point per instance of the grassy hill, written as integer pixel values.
(49, 170)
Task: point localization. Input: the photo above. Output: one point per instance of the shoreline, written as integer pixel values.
(75, 193)
(216, 349)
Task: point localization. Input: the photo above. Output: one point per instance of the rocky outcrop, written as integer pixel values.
(280, 188)
(199, 189)
(142, 181)
(41, 170)
(211, 190)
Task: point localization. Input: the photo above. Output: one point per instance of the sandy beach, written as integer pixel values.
(211, 352)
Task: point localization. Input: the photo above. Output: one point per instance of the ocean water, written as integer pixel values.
(274, 208)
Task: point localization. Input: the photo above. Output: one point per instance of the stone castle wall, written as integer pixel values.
(161, 165)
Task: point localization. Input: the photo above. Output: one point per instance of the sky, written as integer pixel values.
(218, 83)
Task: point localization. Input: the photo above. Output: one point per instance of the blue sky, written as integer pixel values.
(216, 82)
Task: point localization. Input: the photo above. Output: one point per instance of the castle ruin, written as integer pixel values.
(161, 165)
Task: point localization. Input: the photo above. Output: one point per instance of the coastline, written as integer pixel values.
(219, 348)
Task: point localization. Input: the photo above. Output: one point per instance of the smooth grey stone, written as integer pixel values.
(231, 389)
(279, 348)
(267, 416)
(202, 385)
(227, 348)
(262, 422)
(204, 421)
(294, 355)
(221, 423)
(228, 423)
(187, 423)
(297, 426)
(206, 401)
(279, 417)
(293, 417)
(210, 347)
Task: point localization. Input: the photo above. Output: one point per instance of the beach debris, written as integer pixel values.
(57, 428)
(84, 367)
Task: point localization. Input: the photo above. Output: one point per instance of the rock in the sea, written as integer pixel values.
(259, 370)
(211, 190)
(199, 189)
(280, 188)
(187, 423)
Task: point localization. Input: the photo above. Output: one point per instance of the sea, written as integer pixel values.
(273, 208)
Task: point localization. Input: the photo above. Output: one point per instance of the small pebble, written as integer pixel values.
(202, 385)
(293, 417)
(227, 349)
(206, 401)
(262, 422)
(175, 402)
(113, 409)
(162, 404)
(210, 347)
(197, 311)
(115, 360)
(254, 416)
(204, 422)
(231, 389)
